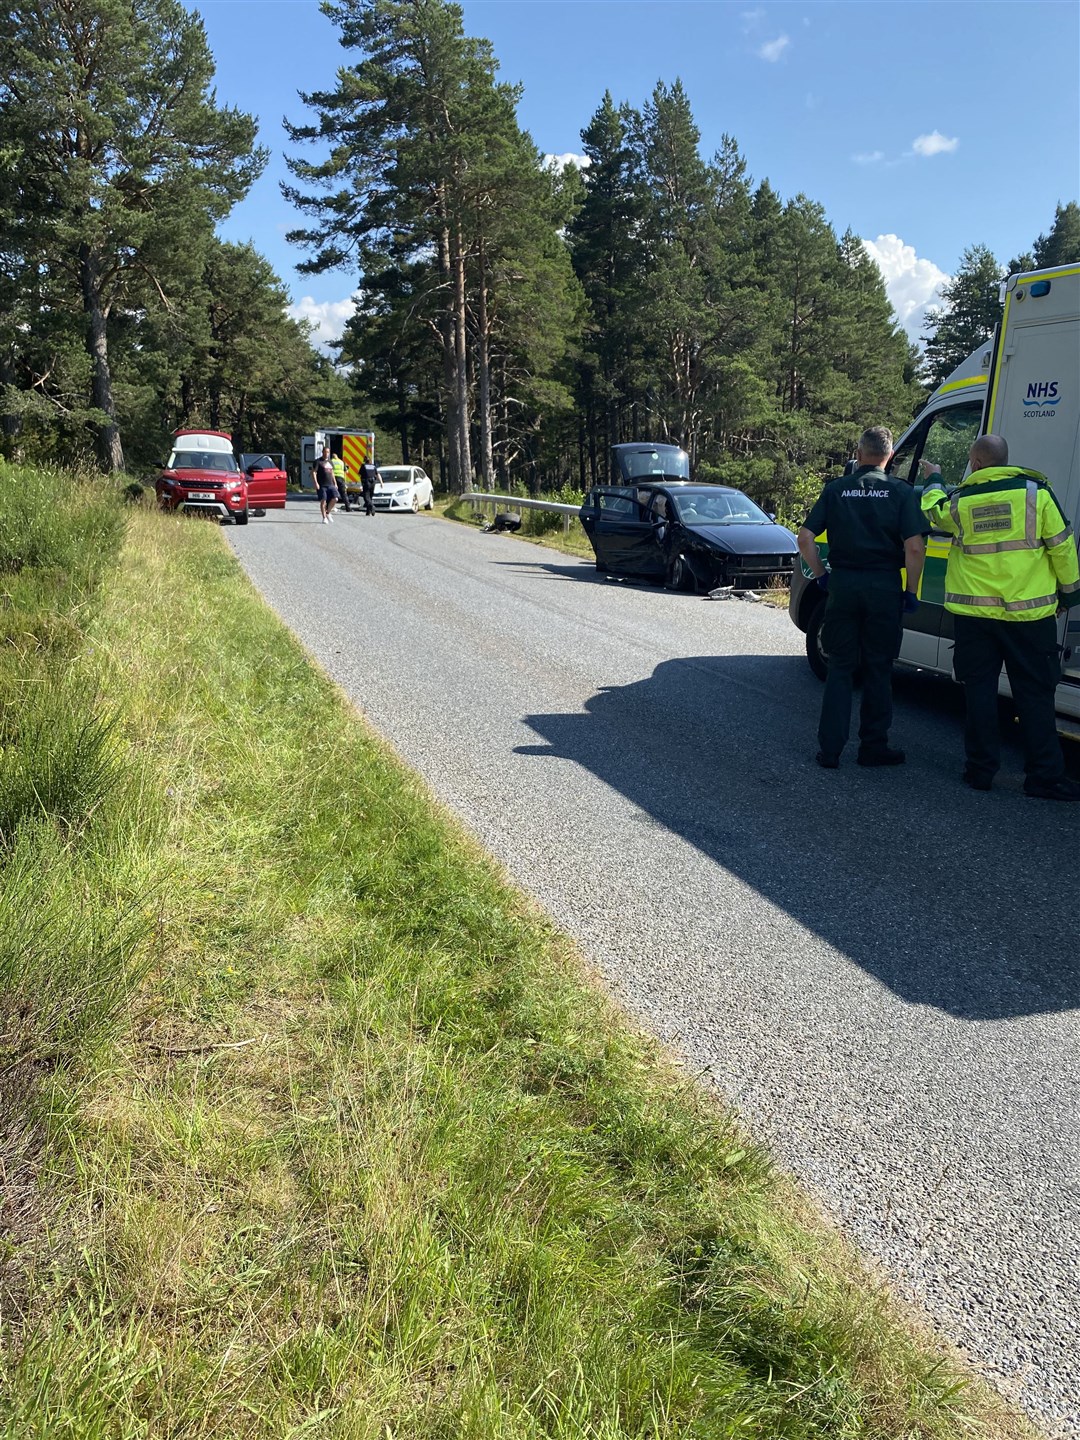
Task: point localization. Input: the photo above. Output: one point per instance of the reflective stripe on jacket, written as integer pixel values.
(1013, 556)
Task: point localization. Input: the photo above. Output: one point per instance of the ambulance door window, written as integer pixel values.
(904, 457)
(950, 436)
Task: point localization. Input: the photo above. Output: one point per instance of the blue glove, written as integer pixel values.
(822, 581)
(911, 602)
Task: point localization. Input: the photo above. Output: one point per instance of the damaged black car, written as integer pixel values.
(687, 536)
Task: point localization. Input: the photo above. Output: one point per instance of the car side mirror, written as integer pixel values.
(771, 514)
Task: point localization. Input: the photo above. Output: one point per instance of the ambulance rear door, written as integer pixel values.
(1033, 402)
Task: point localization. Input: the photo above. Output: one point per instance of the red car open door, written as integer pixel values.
(266, 479)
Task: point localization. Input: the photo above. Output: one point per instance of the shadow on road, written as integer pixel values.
(577, 570)
(961, 901)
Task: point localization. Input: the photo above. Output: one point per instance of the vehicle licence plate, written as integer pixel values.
(202, 495)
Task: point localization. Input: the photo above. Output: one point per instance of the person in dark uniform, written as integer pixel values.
(874, 527)
(369, 474)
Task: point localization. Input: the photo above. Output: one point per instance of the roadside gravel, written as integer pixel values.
(879, 968)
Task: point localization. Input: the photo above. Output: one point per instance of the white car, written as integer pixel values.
(404, 487)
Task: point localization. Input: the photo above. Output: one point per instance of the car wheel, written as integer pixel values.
(241, 517)
(679, 575)
(415, 503)
(430, 500)
(814, 652)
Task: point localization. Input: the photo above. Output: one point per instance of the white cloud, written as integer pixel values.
(911, 284)
(868, 157)
(934, 144)
(773, 49)
(751, 19)
(327, 316)
(560, 162)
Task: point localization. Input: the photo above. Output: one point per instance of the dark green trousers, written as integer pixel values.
(862, 631)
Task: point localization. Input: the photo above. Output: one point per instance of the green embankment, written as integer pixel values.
(311, 1125)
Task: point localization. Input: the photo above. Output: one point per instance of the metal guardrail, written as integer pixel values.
(516, 502)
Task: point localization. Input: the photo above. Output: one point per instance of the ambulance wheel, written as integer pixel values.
(814, 653)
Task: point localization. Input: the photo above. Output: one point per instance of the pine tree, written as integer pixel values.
(1062, 245)
(606, 251)
(971, 311)
(130, 163)
(681, 253)
(403, 127)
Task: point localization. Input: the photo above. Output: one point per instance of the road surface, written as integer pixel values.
(879, 968)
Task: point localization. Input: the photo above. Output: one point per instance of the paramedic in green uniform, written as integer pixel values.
(341, 475)
(1012, 566)
(874, 527)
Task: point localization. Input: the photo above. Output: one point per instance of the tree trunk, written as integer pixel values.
(461, 364)
(487, 462)
(403, 422)
(187, 401)
(449, 356)
(504, 434)
(10, 425)
(97, 346)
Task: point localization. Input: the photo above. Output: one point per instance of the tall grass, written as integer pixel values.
(67, 957)
(51, 520)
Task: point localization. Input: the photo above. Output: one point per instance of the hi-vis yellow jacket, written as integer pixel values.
(1013, 556)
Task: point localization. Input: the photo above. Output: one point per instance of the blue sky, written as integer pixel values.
(924, 127)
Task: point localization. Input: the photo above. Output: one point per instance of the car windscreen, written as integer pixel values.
(697, 507)
(203, 460)
(655, 460)
(392, 476)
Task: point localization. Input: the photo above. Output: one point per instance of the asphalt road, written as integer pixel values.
(878, 967)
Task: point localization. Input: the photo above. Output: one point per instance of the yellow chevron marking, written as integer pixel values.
(354, 451)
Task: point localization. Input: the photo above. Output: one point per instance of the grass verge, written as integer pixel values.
(366, 1154)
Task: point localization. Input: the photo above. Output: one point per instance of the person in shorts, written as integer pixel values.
(322, 472)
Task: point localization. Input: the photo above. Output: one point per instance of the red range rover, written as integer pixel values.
(202, 474)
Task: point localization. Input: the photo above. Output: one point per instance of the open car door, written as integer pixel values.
(266, 478)
(622, 535)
